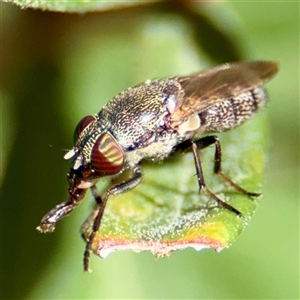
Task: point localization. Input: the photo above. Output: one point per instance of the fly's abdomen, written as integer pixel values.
(233, 111)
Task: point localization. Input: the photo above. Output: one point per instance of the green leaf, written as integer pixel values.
(166, 212)
(77, 6)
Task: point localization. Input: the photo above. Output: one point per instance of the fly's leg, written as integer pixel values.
(49, 221)
(218, 171)
(203, 143)
(202, 184)
(209, 140)
(76, 195)
(133, 181)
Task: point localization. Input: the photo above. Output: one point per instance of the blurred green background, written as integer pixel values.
(57, 68)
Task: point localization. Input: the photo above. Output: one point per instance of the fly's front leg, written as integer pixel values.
(49, 221)
(133, 181)
(76, 194)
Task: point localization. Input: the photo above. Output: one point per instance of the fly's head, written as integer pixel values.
(96, 153)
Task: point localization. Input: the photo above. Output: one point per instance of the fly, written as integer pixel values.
(152, 121)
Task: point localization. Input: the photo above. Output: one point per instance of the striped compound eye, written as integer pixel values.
(107, 157)
(82, 125)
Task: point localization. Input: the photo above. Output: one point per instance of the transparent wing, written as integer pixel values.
(202, 90)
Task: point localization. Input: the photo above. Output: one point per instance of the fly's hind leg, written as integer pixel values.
(209, 140)
(201, 144)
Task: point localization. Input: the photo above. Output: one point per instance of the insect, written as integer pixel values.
(152, 121)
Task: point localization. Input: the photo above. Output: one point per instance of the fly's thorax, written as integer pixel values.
(138, 115)
(156, 150)
(234, 111)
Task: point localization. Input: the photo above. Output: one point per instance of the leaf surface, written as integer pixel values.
(75, 6)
